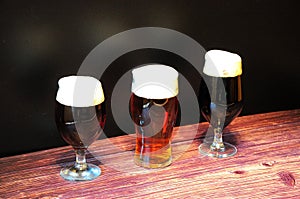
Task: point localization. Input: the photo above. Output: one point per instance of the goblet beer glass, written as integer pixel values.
(153, 108)
(221, 101)
(80, 118)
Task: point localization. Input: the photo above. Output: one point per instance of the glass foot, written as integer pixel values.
(205, 149)
(74, 173)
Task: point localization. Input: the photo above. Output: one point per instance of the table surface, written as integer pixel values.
(267, 165)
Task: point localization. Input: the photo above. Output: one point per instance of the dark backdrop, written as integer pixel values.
(41, 41)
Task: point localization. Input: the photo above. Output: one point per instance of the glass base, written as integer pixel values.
(73, 173)
(154, 159)
(205, 149)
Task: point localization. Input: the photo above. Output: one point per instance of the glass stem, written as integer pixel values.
(218, 144)
(80, 159)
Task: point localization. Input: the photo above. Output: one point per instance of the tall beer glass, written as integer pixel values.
(80, 117)
(153, 109)
(221, 101)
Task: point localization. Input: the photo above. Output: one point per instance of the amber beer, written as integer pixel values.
(153, 109)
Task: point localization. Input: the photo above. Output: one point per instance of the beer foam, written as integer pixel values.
(79, 91)
(219, 63)
(155, 81)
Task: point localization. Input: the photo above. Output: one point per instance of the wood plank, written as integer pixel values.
(266, 165)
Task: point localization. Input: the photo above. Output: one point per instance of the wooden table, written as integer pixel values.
(267, 165)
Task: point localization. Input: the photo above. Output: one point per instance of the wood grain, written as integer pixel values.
(267, 165)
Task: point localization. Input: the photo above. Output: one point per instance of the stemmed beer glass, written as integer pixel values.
(221, 101)
(80, 118)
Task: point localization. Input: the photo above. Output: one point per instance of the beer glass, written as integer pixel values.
(221, 101)
(80, 117)
(153, 109)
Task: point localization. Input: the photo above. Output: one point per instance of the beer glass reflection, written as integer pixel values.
(80, 117)
(153, 109)
(221, 101)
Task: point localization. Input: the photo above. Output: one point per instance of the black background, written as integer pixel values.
(41, 41)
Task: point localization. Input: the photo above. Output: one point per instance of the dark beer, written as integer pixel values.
(233, 92)
(80, 117)
(80, 126)
(153, 108)
(220, 99)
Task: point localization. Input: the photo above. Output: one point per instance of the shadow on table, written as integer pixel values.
(231, 137)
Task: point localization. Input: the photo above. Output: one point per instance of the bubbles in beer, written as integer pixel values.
(79, 91)
(219, 63)
(155, 81)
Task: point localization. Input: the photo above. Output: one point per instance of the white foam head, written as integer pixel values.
(155, 81)
(219, 63)
(79, 91)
